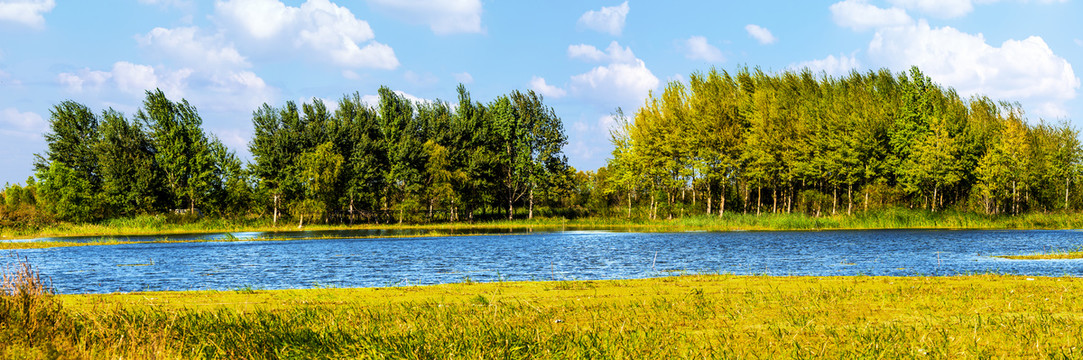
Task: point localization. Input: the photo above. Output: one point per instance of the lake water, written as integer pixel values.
(572, 255)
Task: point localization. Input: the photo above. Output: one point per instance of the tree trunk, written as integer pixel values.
(774, 200)
(759, 199)
(709, 198)
(834, 199)
(351, 210)
(850, 199)
(936, 187)
(274, 221)
(530, 213)
(301, 223)
(866, 197)
(1015, 199)
(722, 200)
(511, 208)
(629, 205)
(1066, 193)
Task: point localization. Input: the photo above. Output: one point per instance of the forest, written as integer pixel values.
(748, 142)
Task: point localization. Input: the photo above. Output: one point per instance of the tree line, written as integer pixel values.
(748, 142)
(797, 142)
(398, 161)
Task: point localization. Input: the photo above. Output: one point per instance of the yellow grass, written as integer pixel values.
(673, 317)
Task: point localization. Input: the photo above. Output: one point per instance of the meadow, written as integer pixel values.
(688, 316)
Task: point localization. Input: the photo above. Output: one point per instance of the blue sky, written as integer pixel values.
(585, 57)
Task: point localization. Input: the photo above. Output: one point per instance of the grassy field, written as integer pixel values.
(711, 316)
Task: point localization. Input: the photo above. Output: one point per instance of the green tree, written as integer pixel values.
(131, 183)
(182, 150)
(66, 193)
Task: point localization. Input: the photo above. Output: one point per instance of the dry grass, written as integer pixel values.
(721, 316)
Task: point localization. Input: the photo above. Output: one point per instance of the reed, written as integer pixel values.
(1061, 254)
(891, 218)
(976, 316)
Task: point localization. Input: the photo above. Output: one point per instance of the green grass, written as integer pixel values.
(893, 218)
(1064, 254)
(726, 316)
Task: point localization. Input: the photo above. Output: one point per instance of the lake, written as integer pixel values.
(565, 255)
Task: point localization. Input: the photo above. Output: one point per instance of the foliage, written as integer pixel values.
(747, 142)
(792, 141)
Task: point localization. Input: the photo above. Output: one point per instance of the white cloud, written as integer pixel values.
(697, 48)
(1026, 70)
(608, 19)
(23, 124)
(7, 80)
(85, 80)
(374, 100)
(443, 16)
(585, 52)
(860, 15)
(538, 84)
(616, 84)
(316, 26)
(938, 8)
(189, 47)
(332, 105)
(607, 123)
(624, 81)
(614, 53)
(234, 90)
(463, 77)
(947, 9)
(831, 65)
(761, 34)
(26, 12)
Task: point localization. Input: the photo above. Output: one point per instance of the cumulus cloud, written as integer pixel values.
(760, 33)
(26, 12)
(697, 48)
(608, 19)
(317, 26)
(947, 9)
(463, 77)
(443, 16)
(613, 53)
(186, 45)
(1025, 70)
(938, 8)
(539, 85)
(831, 65)
(624, 81)
(238, 90)
(860, 15)
(22, 124)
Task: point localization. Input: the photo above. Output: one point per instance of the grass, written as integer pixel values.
(892, 218)
(1065, 254)
(724, 316)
